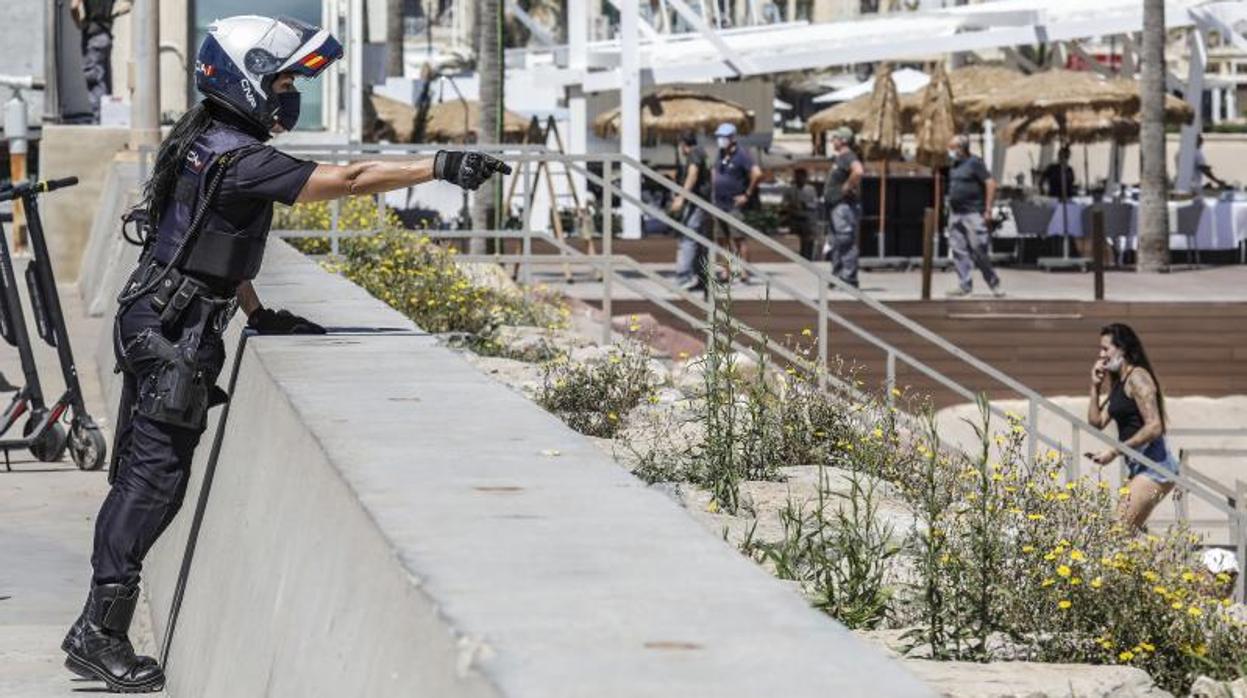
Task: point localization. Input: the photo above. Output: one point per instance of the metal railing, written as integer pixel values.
(526, 157)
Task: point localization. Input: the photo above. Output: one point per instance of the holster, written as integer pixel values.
(176, 391)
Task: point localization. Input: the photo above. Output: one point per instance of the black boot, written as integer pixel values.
(98, 648)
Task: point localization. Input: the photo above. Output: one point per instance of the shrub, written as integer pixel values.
(595, 396)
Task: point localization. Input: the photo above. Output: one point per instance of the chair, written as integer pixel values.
(1118, 219)
(1189, 217)
(1031, 219)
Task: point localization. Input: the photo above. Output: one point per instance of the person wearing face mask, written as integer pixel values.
(204, 220)
(971, 195)
(736, 179)
(1135, 403)
(842, 199)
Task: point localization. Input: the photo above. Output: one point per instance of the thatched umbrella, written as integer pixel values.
(935, 124)
(852, 113)
(935, 128)
(667, 113)
(969, 83)
(1055, 92)
(446, 123)
(881, 135)
(1091, 126)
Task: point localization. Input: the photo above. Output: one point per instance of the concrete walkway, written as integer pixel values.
(1212, 284)
(48, 513)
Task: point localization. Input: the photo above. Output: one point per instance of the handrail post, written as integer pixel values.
(1179, 493)
(889, 383)
(1032, 427)
(526, 268)
(335, 212)
(1240, 542)
(1073, 468)
(822, 336)
(608, 195)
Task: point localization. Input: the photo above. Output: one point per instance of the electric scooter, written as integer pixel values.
(85, 441)
(29, 398)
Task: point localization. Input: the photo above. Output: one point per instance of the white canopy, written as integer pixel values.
(907, 80)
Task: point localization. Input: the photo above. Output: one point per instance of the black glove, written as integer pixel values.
(269, 321)
(467, 168)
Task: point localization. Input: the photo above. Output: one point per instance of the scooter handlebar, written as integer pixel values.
(42, 187)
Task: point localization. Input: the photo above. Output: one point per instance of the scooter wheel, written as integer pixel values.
(50, 447)
(87, 447)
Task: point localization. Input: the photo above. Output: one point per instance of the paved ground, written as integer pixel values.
(48, 514)
(1224, 283)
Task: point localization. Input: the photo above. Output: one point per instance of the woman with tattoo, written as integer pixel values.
(1124, 389)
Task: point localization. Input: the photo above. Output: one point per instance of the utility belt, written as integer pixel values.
(175, 293)
(174, 385)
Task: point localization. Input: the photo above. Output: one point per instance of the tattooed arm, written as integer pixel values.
(1142, 388)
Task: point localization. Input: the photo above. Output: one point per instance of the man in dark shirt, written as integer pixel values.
(842, 198)
(694, 177)
(1058, 177)
(971, 193)
(736, 180)
(94, 19)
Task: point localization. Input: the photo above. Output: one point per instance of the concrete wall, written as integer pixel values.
(86, 152)
(386, 520)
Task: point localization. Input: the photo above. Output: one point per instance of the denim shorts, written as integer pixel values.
(1159, 452)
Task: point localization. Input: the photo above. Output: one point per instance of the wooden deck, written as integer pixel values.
(1049, 346)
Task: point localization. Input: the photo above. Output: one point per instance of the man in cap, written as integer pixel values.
(842, 199)
(694, 176)
(736, 180)
(971, 194)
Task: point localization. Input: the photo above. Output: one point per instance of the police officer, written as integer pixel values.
(208, 208)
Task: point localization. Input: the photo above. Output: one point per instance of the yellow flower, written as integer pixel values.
(1097, 583)
(1075, 581)
(1151, 576)
(1035, 517)
(1147, 646)
(1160, 590)
(1047, 582)
(1123, 490)
(806, 332)
(1050, 557)
(1063, 570)
(1176, 605)
(1028, 548)
(1194, 611)
(612, 416)
(1077, 556)
(997, 477)
(1188, 576)
(1125, 655)
(1064, 604)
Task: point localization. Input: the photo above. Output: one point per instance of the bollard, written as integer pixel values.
(1097, 250)
(15, 130)
(929, 224)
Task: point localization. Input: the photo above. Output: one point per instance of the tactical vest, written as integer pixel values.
(221, 254)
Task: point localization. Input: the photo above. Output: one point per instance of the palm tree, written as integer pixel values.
(1153, 213)
(489, 17)
(394, 38)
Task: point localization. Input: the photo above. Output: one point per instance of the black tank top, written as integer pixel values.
(1123, 410)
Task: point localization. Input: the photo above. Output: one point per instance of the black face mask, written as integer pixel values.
(288, 104)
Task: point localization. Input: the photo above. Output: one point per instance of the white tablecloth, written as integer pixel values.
(1222, 225)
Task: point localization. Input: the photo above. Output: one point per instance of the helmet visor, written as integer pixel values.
(293, 46)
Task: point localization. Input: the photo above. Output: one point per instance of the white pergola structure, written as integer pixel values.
(642, 55)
